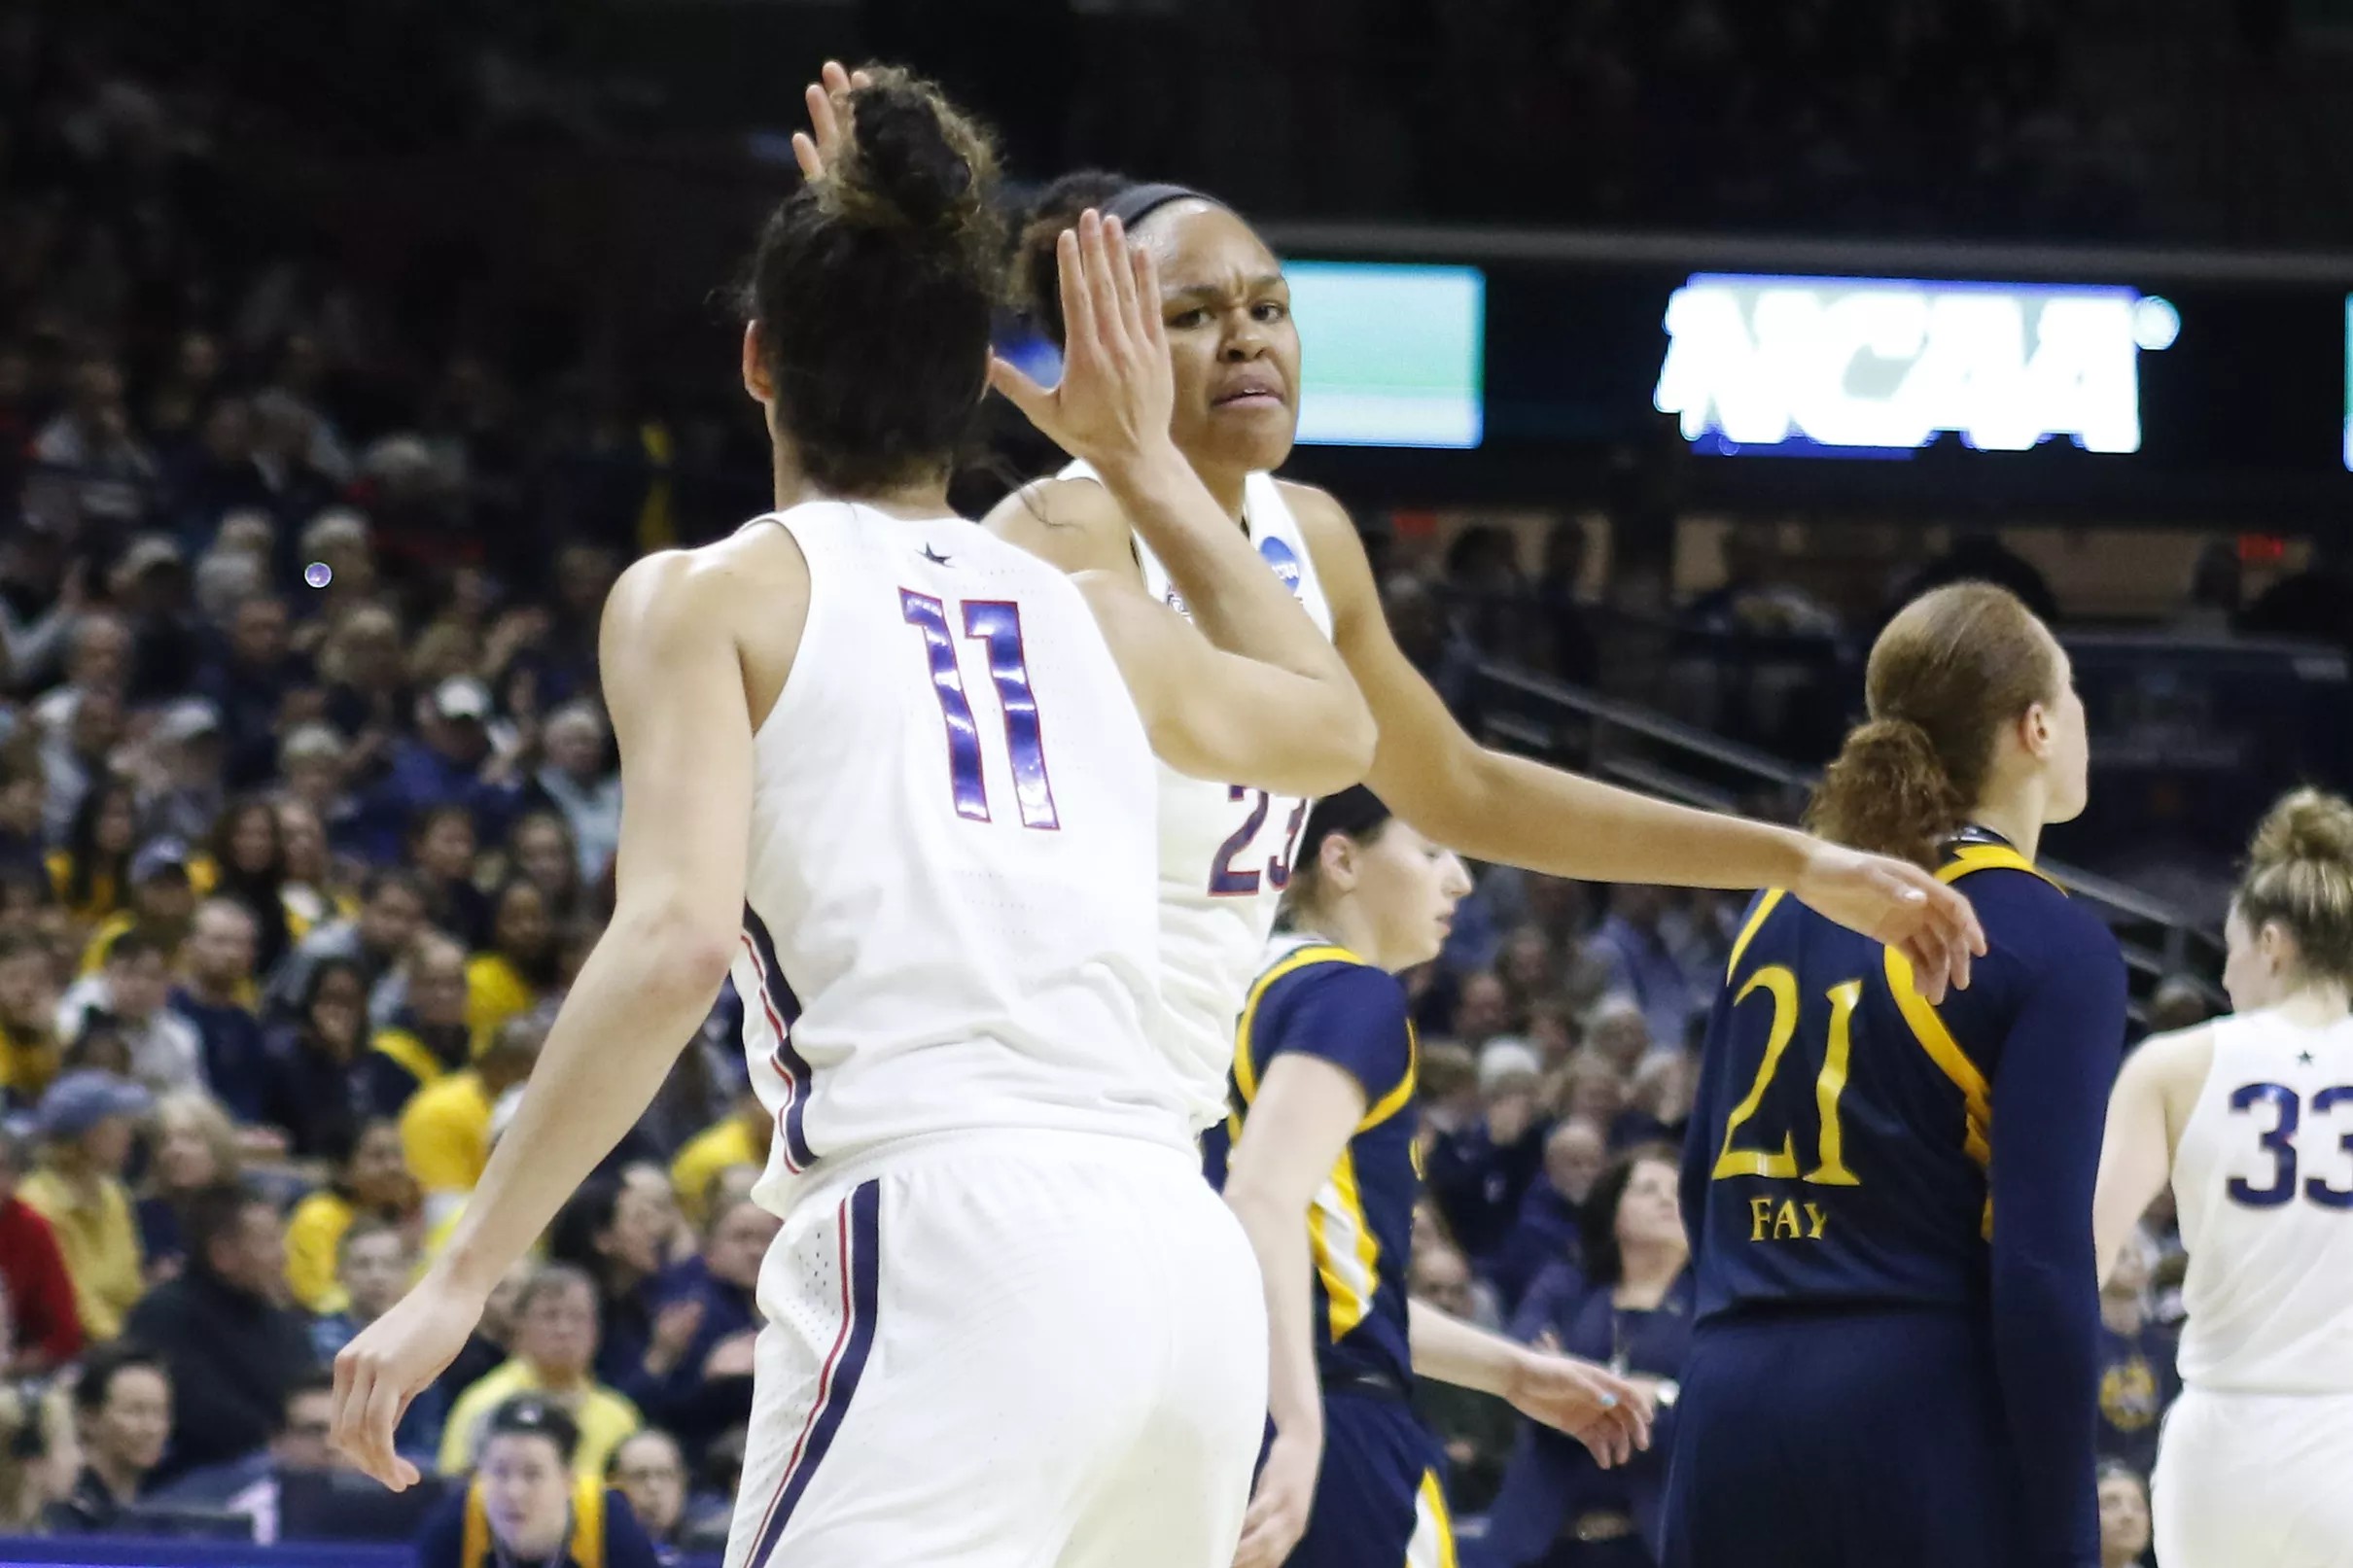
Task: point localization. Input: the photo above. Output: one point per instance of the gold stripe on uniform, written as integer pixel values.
(1348, 1254)
(1434, 1542)
(1968, 858)
(1927, 1027)
(1390, 1103)
(1246, 1070)
(1740, 943)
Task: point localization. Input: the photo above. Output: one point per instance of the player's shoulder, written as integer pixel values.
(1060, 502)
(1322, 520)
(1327, 976)
(702, 589)
(2175, 1062)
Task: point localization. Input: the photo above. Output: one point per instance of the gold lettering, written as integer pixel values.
(1816, 1220)
(1785, 1223)
(1760, 1215)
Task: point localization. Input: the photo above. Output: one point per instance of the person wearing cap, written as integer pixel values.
(186, 760)
(151, 586)
(85, 1126)
(163, 899)
(525, 1508)
(451, 762)
(250, 684)
(131, 995)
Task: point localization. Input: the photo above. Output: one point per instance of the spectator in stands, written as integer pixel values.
(2179, 1002)
(740, 1138)
(162, 898)
(249, 1485)
(430, 1038)
(709, 1388)
(1630, 1307)
(312, 891)
(254, 683)
(1617, 1032)
(1480, 1174)
(2138, 1380)
(195, 1150)
(445, 1131)
(1642, 961)
(320, 1072)
(2124, 1501)
(40, 1453)
(375, 1261)
(31, 1054)
(650, 1471)
(1547, 1229)
(1483, 1011)
(535, 1501)
(520, 967)
(366, 670)
(23, 792)
(540, 852)
(449, 764)
(314, 762)
(371, 1181)
(113, 471)
(554, 1355)
(183, 769)
(130, 993)
(45, 1329)
(247, 863)
(613, 1235)
(392, 912)
(92, 874)
(441, 849)
(578, 781)
(85, 1124)
(233, 1349)
(41, 593)
(1474, 1429)
(216, 998)
(122, 1410)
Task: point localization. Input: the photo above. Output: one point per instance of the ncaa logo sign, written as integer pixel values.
(1285, 562)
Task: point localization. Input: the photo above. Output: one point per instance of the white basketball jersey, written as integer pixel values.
(949, 921)
(1225, 851)
(2263, 1180)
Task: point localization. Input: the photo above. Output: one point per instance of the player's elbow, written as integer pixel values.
(676, 948)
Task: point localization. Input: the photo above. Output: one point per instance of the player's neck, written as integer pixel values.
(2316, 1005)
(1228, 490)
(2017, 816)
(925, 499)
(1348, 929)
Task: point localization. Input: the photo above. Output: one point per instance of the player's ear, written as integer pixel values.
(756, 369)
(2034, 730)
(2277, 944)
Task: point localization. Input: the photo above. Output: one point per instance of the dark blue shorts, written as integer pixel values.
(1841, 1440)
(1378, 1499)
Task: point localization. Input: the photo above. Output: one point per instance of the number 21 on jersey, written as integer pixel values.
(1829, 1167)
(996, 625)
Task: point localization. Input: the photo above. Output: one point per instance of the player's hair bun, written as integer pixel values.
(911, 162)
(1889, 792)
(2307, 826)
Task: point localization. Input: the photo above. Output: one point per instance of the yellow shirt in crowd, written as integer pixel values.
(313, 1232)
(445, 1134)
(496, 992)
(698, 1164)
(606, 1419)
(28, 1063)
(100, 1241)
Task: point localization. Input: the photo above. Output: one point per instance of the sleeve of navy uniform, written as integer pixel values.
(1351, 1014)
(2055, 972)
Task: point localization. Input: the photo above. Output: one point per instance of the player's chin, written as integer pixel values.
(1257, 430)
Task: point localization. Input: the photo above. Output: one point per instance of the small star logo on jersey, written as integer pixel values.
(935, 557)
(2303, 1058)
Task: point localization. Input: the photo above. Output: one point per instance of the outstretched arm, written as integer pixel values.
(1607, 1414)
(679, 714)
(2136, 1153)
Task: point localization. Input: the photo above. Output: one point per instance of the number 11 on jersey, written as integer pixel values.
(994, 624)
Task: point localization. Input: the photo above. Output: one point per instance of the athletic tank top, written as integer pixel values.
(1225, 850)
(2264, 1181)
(949, 920)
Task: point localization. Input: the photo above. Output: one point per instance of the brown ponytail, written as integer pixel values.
(1945, 677)
(2299, 875)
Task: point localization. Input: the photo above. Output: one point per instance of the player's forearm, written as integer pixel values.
(1521, 812)
(644, 990)
(1453, 1351)
(1239, 603)
(1294, 1396)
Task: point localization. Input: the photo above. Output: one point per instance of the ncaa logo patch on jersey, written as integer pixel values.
(1284, 559)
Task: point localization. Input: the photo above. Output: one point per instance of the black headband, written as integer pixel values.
(1138, 202)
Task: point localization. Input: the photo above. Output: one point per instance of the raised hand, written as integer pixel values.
(1897, 903)
(821, 144)
(1117, 391)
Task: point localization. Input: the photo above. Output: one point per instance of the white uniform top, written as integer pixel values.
(949, 921)
(2264, 1181)
(1225, 851)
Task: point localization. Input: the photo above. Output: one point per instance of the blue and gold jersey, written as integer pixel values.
(1326, 1001)
(1846, 1146)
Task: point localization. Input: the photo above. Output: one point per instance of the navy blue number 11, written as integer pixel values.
(994, 624)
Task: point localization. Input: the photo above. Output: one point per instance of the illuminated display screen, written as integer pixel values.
(1394, 354)
(1861, 367)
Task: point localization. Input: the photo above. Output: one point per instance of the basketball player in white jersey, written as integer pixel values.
(2252, 1116)
(894, 774)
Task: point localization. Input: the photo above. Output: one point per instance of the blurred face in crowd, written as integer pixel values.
(651, 1472)
(543, 853)
(375, 1270)
(1620, 1033)
(519, 926)
(20, 801)
(1527, 962)
(97, 727)
(1640, 907)
(389, 921)
(649, 1179)
(445, 849)
(138, 986)
(165, 899)
(1596, 1091)
(2124, 1519)
(378, 1172)
(309, 1423)
(639, 1229)
(738, 1243)
(183, 1153)
(229, 431)
(253, 843)
(252, 1256)
(305, 841)
(1573, 1157)
(29, 997)
(437, 983)
(1484, 1011)
(338, 1008)
(1650, 1213)
(526, 1492)
(116, 826)
(1399, 887)
(583, 576)
(555, 1331)
(130, 1431)
(105, 1145)
(367, 648)
(574, 744)
(1230, 334)
(100, 654)
(1443, 1279)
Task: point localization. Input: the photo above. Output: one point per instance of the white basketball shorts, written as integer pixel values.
(1000, 1350)
(2255, 1481)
